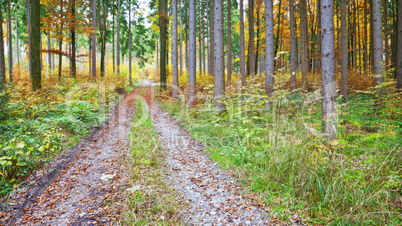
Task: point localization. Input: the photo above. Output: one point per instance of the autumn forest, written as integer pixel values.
(243, 112)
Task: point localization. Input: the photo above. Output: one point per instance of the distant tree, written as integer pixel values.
(212, 37)
(242, 47)
(219, 70)
(2, 60)
(10, 43)
(250, 55)
(229, 57)
(35, 45)
(93, 61)
(192, 53)
(269, 47)
(174, 51)
(329, 116)
(304, 41)
(344, 52)
(293, 56)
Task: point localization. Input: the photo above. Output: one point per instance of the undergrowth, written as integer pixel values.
(279, 152)
(151, 201)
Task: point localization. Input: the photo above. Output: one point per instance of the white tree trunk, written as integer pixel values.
(219, 68)
(192, 53)
(269, 48)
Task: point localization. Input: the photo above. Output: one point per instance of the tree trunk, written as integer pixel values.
(329, 116)
(219, 68)
(354, 37)
(258, 38)
(229, 57)
(49, 55)
(174, 51)
(29, 36)
(10, 44)
(118, 39)
(94, 39)
(35, 45)
(73, 58)
(304, 42)
(293, 56)
(242, 50)
(344, 52)
(278, 29)
(319, 34)
(377, 49)
(2, 59)
(212, 37)
(180, 40)
(163, 34)
(192, 54)
(113, 41)
(129, 45)
(157, 57)
(251, 52)
(386, 52)
(102, 27)
(199, 38)
(17, 44)
(399, 49)
(269, 47)
(365, 59)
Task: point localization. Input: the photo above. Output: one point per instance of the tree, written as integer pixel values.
(304, 41)
(72, 30)
(293, 56)
(35, 45)
(377, 49)
(10, 44)
(229, 70)
(219, 69)
(250, 65)
(192, 54)
(269, 47)
(344, 52)
(212, 37)
(163, 23)
(93, 61)
(118, 38)
(174, 51)
(2, 60)
(242, 50)
(129, 44)
(329, 116)
(399, 49)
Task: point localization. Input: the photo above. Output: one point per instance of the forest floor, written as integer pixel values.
(95, 187)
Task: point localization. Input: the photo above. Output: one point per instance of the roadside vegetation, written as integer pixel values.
(280, 153)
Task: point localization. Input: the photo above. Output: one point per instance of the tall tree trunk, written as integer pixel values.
(219, 69)
(242, 47)
(157, 57)
(17, 44)
(212, 37)
(102, 26)
(129, 45)
(90, 57)
(113, 41)
(203, 42)
(354, 37)
(73, 58)
(163, 34)
(344, 52)
(399, 49)
(377, 49)
(174, 52)
(192, 54)
(35, 45)
(181, 40)
(365, 58)
(199, 38)
(329, 116)
(229, 57)
(258, 38)
(251, 53)
(118, 38)
(29, 36)
(319, 34)
(278, 29)
(293, 56)
(386, 51)
(49, 55)
(304, 42)
(269, 47)
(94, 39)
(2, 59)
(359, 44)
(10, 44)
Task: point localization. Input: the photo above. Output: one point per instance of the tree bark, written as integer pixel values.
(386, 49)
(180, 39)
(229, 56)
(192, 54)
(29, 36)
(269, 47)
(256, 56)
(163, 23)
(212, 37)
(113, 41)
(35, 45)
(49, 55)
(219, 68)
(94, 39)
(129, 46)
(242, 47)
(174, 51)
(329, 116)
(2, 59)
(304, 42)
(377, 49)
(365, 50)
(251, 51)
(344, 52)
(293, 56)
(399, 48)
(118, 38)
(17, 45)
(10, 44)
(199, 38)
(73, 58)
(278, 29)
(319, 34)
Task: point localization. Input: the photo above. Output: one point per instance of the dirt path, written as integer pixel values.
(82, 192)
(213, 196)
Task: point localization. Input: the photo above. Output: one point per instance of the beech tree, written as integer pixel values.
(304, 41)
(35, 45)
(242, 50)
(163, 23)
(377, 49)
(174, 51)
(192, 54)
(93, 61)
(269, 47)
(219, 69)
(293, 56)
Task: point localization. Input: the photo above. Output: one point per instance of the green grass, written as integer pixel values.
(152, 202)
(280, 154)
